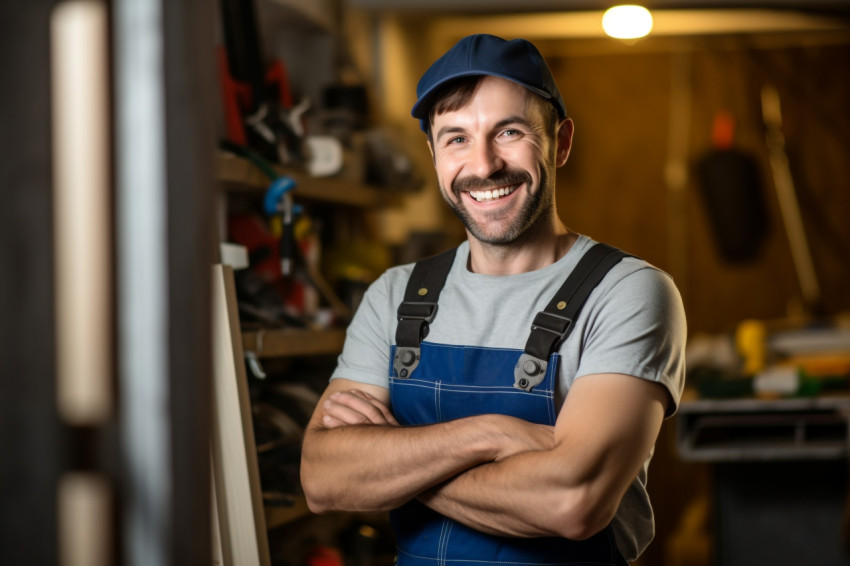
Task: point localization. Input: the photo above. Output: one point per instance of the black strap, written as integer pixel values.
(550, 328)
(554, 324)
(419, 306)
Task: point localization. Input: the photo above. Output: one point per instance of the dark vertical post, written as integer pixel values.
(30, 436)
(190, 112)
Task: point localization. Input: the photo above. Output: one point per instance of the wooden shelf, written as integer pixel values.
(239, 174)
(281, 342)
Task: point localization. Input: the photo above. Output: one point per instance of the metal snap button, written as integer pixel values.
(531, 367)
(408, 357)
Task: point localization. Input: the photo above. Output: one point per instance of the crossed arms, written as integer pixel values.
(494, 473)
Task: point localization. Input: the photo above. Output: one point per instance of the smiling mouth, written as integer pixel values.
(492, 194)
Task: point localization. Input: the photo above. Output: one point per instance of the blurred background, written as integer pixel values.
(148, 141)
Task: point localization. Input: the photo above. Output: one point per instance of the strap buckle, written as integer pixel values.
(552, 323)
(531, 367)
(414, 320)
(413, 310)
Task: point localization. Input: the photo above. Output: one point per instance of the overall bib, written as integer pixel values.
(449, 382)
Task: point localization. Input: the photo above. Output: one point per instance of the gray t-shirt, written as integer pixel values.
(633, 323)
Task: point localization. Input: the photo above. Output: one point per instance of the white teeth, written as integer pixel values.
(482, 196)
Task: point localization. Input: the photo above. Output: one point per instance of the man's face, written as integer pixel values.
(495, 161)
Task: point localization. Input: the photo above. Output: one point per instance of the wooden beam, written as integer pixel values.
(238, 495)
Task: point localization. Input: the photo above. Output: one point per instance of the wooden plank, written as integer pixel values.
(268, 343)
(239, 503)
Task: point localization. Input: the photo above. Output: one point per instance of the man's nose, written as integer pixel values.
(485, 160)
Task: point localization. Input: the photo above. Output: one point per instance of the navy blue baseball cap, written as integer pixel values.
(517, 60)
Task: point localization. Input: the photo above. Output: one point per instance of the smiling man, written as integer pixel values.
(502, 399)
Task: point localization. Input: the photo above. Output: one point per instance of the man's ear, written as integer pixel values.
(564, 137)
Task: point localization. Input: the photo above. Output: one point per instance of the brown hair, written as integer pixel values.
(454, 95)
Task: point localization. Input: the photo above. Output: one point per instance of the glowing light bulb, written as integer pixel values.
(627, 21)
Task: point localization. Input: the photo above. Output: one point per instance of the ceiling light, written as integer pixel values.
(627, 22)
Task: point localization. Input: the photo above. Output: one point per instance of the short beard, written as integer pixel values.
(538, 201)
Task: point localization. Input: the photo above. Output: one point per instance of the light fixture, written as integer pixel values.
(627, 22)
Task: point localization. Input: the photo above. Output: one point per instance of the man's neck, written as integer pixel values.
(531, 254)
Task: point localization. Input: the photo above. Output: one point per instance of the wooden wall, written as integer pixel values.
(613, 188)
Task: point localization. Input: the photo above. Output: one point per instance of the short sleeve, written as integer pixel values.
(365, 355)
(637, 327)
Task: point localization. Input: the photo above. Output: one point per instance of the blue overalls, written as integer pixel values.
(450, 382)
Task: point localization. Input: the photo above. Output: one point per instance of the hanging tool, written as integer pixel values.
(278, 200)
(257, 94)
(784, 184)
(731, 190)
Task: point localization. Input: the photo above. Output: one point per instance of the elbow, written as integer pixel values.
(324, 494)
(316, 497)
(582, 517)
(318, 502)
(582, 529)
(315, 503)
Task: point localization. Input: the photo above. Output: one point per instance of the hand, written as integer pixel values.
(354, 407)
(519, 436)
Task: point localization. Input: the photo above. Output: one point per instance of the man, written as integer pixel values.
(477, 464)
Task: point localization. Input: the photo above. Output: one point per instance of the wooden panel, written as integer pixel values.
(239, 505)
(613, 187)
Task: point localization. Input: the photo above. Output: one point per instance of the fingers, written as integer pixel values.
(355, 407)
(525, 437)
(377, 404)
(331, 422)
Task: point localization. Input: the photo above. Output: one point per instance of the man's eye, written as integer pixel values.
(456, 140)
(511, 133)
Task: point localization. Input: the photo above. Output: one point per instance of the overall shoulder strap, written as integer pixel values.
(419, 308)
(554, 324)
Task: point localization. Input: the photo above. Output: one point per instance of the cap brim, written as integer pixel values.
(423, 106)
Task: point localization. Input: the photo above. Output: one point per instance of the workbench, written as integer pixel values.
(780, 477)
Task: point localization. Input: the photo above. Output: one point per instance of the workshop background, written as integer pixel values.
(148, 142)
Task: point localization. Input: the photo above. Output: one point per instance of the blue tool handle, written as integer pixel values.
(272, 200)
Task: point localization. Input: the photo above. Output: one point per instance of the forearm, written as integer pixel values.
(527, 495)
(371, 468)
(356, 457)
(572, 489)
